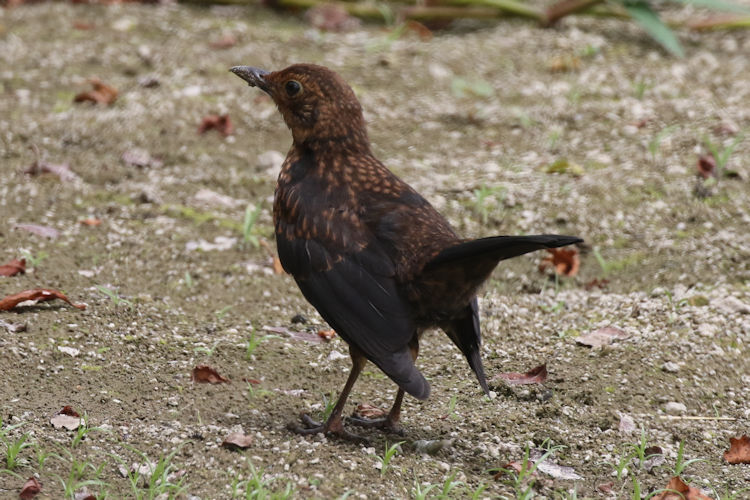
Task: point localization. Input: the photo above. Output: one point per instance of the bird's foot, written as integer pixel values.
(386, 424)
(333, 427)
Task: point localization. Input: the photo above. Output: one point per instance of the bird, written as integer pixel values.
(378, 262)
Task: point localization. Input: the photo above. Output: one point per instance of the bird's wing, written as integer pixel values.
(354, 289)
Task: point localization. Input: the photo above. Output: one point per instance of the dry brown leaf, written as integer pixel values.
(38, 295)
(225, 42)
(82, 25)
(423, 32)
(739, 450)
(84, 495)
(564, 261)
(364, 410)
(602, 336)
(596, 283)
(100, 94)
(564, 63)
(677, 490)
(509, 467)
(61, 170)
(206, 374)
(13, 267)
(237, 440)
(605, 488)
(68, 410)
(535, 376)
(46, 231)
(30, 489)
(220, 123)
(326, 334)
(706, 166)
(91, 221)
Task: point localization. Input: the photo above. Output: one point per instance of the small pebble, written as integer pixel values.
(670, 367)
(674, 408)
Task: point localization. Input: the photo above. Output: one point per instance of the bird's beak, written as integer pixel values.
(253, 76)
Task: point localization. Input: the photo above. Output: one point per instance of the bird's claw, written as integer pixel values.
(335, 428)
(385, 424)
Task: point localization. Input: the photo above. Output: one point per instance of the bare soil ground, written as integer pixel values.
(584, 129)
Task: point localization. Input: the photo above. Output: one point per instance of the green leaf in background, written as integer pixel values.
(716, 5)
(649, 20)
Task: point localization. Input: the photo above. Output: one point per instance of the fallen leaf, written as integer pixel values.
(38, 295)
(47, 232)
(516, 467)
(739, 450)
(138, 157)
(225, 42)
(84, 494)
(68, 422)
(331, 17)
(61, 170)
(535, 376)
(206, 374)
(364, 410)
(326, 334)
(91, 221)
(13, 267)
(30, 489)
(294, 335)
(556, 470)
(253, 381)
(596, 283)
(236, 441)
(706, 166)
(602, 336)
(100, 94)
(564, 63)
(220, 123)
(82, 25)
(564, 261)
(68, 410)
(423, 32)
(677, 490)
(605, 488)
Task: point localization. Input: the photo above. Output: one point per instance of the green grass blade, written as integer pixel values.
(649, 20)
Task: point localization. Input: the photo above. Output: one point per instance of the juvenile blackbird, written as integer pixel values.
(376, 260)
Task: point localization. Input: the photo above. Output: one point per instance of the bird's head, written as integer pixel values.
(317, 104)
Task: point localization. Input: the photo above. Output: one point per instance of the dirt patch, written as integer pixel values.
(607, 151)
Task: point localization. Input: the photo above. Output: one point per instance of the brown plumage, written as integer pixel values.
(376, 260)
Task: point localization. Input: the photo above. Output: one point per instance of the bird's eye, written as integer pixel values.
(292, 88)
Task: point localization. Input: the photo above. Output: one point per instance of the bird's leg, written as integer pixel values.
(334, 425)
(390, 422)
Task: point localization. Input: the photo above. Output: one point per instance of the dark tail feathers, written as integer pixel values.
(499, 248)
